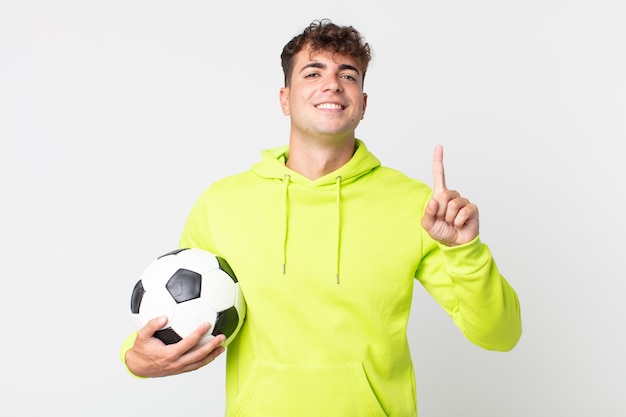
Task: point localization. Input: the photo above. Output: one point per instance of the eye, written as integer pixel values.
(348, 77)
(311, 75)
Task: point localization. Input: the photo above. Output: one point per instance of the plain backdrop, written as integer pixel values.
(116, 115)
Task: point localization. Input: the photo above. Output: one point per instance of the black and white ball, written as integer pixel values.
(189, 286)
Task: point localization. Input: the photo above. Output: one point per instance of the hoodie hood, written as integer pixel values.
(272, 166)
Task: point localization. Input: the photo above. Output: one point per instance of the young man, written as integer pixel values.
(327, 244)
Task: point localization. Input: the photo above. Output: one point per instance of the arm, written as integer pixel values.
(466, 282)
(460, 273)
(145, 355)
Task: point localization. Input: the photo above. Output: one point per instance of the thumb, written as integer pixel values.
(429, 217)
(152, 326)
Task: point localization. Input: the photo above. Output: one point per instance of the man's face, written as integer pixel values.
(325, 97)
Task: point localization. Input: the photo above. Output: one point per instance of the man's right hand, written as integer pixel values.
(150, 357)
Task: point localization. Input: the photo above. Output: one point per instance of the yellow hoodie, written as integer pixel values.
(327, 270)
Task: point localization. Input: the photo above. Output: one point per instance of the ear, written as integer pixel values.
(364, 105)
(284, 100)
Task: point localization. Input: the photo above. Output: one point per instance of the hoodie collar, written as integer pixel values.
(273, 166)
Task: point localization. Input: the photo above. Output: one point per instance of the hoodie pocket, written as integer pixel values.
(306, 391)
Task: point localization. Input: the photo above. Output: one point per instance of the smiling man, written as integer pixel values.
(327, 244)
(325, 101)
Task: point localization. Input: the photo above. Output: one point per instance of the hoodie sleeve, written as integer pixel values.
(466, 282)
(126, 346)
(196, 232)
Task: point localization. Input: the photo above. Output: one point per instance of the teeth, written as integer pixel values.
(332, 106)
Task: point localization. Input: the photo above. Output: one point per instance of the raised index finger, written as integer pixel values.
(439, 176)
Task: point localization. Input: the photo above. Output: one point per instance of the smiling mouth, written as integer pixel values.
(330, 106)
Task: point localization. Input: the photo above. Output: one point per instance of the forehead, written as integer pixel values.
(324, 56)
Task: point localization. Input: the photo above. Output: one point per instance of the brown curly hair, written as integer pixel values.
(323, 35)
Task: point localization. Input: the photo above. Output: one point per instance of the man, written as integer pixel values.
(327, 244)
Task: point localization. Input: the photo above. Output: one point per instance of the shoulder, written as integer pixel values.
(229, 183)
(394, 178)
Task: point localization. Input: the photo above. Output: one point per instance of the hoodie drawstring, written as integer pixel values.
(287, 182)
(286, 230)
(338, 253)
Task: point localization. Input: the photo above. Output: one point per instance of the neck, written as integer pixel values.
(314, 160)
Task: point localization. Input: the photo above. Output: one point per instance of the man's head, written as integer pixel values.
(323, 35)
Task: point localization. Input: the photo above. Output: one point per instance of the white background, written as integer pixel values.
(114, 117)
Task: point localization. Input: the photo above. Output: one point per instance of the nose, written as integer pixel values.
(332, 84)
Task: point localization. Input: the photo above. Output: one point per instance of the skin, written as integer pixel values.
(449, 218)
(325, 103)
(149, 357)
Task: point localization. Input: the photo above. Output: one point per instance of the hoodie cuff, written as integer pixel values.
(468, 258)
(126, 346)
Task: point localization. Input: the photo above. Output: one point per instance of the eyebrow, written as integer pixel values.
(321, 65)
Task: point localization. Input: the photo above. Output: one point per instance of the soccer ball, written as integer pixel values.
(189, 286)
